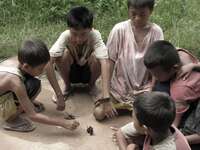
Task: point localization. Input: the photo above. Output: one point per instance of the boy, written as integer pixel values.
(153, 114)
(163, 61)
(19, 87)
(80, 56)
(127, 44)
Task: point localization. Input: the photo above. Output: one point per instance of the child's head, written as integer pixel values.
(139, 11)
(162, 60)
(80, 18)
(33, 57)
(80, 23)
(154, 111)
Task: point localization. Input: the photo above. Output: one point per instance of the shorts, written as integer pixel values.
(9, 101)
(7, 106)
(79, 74)
(32, 85)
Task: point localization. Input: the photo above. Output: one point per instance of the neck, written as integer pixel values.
(23, 71)
(158, 137)
(144, 27)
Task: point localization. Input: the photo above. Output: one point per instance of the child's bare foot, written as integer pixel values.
(71, 125)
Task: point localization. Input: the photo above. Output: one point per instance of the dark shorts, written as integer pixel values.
(79, 74)
(195, 147)
(32, 86)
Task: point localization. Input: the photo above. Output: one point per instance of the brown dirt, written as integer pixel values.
(47, 137)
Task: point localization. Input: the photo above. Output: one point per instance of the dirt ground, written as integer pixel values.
(46, 137)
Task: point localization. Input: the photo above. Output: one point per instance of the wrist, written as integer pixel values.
(102, 101)
(58, 94)
(105, 99)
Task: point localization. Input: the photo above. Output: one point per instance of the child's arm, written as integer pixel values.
(105, 73)
(54, 83)
(187, 64)
(187, 69)
(19, 89)
(181, 108)
(193, 139)
(177, 119)
(119, 138)
(122, 143)
(132, 147)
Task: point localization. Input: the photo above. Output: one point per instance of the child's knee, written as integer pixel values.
(99, 114)
(131, 147)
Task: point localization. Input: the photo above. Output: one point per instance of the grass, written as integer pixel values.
(180, 20)
(12, 36)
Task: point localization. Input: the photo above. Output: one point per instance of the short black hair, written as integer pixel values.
(80, 17)
(163, 54)
(141, 3)
(155, 110)
(33, 52)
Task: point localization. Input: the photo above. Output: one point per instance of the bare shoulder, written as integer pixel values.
(10, 62)
(185, 57)
(182, 53)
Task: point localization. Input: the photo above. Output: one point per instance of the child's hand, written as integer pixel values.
(185, 71)
(109, 110)
(71, 125)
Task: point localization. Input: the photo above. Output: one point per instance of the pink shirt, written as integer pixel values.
(183, 91)
(178, 142)
(129, 72)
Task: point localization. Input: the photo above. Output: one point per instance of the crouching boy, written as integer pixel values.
(19, 87)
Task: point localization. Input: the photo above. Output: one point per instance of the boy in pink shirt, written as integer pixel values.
(163, 61)
(127, 43)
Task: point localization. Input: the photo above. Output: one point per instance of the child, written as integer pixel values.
(163, 61)
(80, 56)
(153, 114)
(127, 44)
(19, 87)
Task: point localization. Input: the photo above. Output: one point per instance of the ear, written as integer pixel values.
(145, 129)
(176, 67)
(25, 66)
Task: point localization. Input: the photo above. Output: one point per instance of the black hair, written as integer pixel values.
(80, 17)
(155, 110)
(163, 54)
(33, 52)
(141, 3)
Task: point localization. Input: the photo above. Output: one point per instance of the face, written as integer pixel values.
(162, 75)
(79, 36)
(34, 71)
(139, 16)
(137, 125)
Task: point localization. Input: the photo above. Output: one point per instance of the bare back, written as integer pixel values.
(7, 78)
